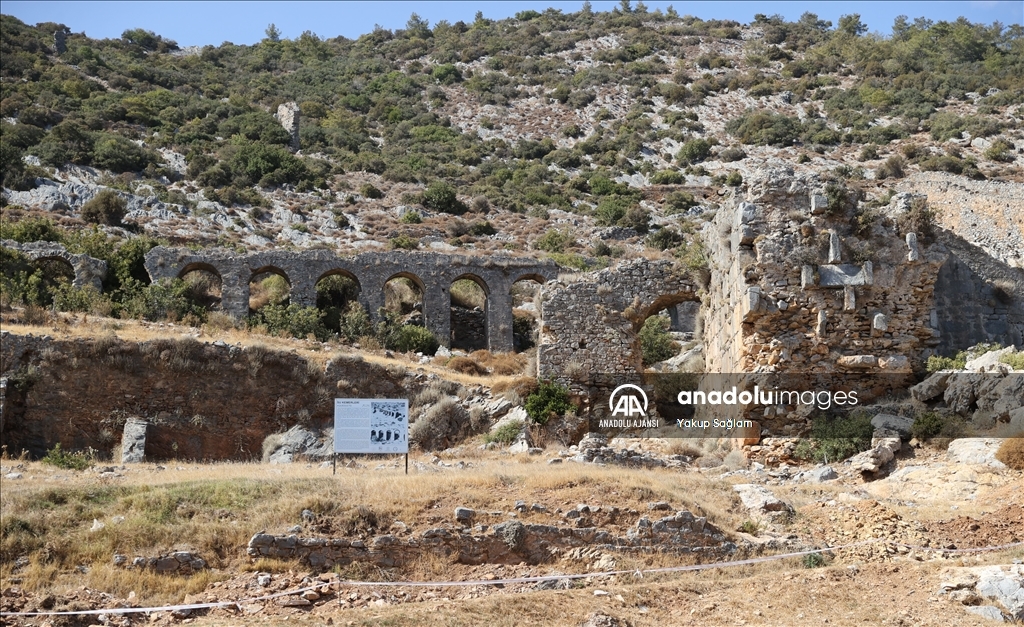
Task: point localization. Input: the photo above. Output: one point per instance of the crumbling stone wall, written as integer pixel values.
(797, 288)
(203, 401)
(288, 115)
(510, 542)
(89, 271)
(589, 327)
(432, 272)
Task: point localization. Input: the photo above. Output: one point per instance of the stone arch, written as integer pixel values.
(525, 310)
(205, 283)
(468, 316)
(335, 290)
(265, 290)
(403, 293)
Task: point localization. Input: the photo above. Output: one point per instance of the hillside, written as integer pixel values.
(202, 249)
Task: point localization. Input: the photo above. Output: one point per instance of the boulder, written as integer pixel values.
(1004, 586)
(986, 611)
(759, 499)
(300, 441)
(977, 451)
(818, 475)
(890, 422)
(884, 446)
(990, 361)
(931, 387)
(961, 392)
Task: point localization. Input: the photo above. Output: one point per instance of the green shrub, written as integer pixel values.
(294, 319)
(766, 129)
(656, 343)
(677, 202)
(506, 433)
(555, 241)
(441, 196)
(404, 242)
(834, 439)
(927, 425)
(918, 218)
(66, 459)
(892, 168)
(1014, 360)
(105, 208)
(370, 191)
(411, 217)
(734, 179)
(668, 177)
(549, 400)
(694, 151)
(814, 560)
(567, 260)
(414, 339)
(663, 239)
(936, 363)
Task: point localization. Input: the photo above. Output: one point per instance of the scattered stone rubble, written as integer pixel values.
(177, 563)
(594, 449)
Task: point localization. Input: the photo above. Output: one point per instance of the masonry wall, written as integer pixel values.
(202, 401)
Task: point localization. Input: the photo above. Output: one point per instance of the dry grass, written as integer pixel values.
(501, 363)
(466, 365)
(1011, 452)
(214, 509)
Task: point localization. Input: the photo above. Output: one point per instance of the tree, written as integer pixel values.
(273, 34)
(851, 25)
(417, 27)
(105, 208)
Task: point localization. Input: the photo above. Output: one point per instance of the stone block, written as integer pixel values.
(931, 387)
(806, 277)
(751, 303)
(133, 441)
(879, 323)
(834, 248)
(849, 299)
(861, 362)
(843, 275)
(821, 327)
(895, 363)
(819, 204)
(913, 251)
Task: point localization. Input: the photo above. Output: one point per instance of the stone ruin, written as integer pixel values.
(89, 272)
(433, 274)
(288, 115)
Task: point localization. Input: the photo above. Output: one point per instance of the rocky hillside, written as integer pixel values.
(549, 132)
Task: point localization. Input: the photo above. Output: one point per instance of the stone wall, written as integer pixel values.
(469, 328)
(510, 542)
(432, 272)
(589, 326)
(89, 271)
(203, 401)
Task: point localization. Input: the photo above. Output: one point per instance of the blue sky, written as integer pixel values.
(201, 23)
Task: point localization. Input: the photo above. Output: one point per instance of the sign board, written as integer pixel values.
(371, 425)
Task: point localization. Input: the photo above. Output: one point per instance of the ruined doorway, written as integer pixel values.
(525, 293)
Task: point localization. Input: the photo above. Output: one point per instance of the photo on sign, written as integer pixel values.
(389, 424)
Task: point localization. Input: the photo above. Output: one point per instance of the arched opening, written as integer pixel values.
(670, 336)
(56, 275)
(204, 284)
(468, 311)
(403, 298)
(525, 294)
(268, 286)
(336, 292)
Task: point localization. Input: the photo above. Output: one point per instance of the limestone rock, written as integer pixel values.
(464, 514)
(818, 475)
(988, 361)
(978, 451)
(931, 387)
(300, 441)
(133, 442)
(899, 424)
(759, 499)
(1004, 586)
